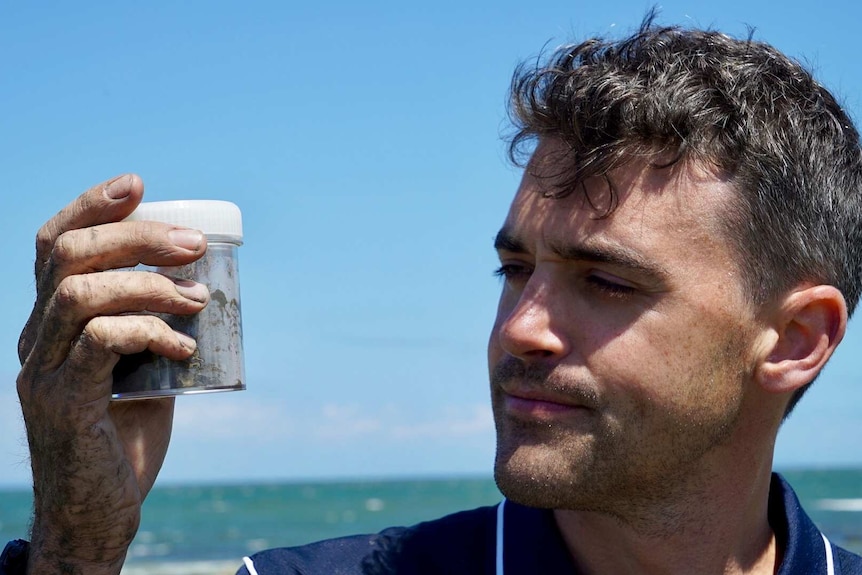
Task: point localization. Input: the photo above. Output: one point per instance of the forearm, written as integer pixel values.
(73, 544)
(86, 510)
(58, 559)
(87, 496)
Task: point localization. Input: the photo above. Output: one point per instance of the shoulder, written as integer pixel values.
(849, 563)
(452, 544)
(341, 556)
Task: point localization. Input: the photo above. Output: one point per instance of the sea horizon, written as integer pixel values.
(354, 478)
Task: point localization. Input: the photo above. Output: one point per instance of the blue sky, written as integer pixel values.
(363, 143)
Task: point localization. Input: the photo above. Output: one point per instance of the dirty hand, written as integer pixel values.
(94, 461)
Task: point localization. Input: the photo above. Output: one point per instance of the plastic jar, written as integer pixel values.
(217, 364)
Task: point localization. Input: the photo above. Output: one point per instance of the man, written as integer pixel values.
(679, 264)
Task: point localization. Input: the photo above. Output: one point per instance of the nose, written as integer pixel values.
(528, 326)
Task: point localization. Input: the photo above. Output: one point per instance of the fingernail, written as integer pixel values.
(185, 238)
(118, 188)
(186, 341)
(192, 290)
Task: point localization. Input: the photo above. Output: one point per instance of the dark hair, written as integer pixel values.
(737, 106)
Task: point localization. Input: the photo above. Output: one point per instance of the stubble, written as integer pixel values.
(626, 458)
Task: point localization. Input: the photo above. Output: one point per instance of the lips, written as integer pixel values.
(541, 405)
(537, 390)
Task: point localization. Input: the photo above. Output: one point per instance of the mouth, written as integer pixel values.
(543, 393)
(538, 406)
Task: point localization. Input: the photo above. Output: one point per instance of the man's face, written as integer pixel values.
(620, 353)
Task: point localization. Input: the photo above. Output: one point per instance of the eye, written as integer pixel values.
(610, 286)
(513, 272)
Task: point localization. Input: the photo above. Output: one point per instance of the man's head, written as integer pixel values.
(690, 205)
(738, 108)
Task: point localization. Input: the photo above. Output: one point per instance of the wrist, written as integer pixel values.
(53, 552)
(81, 536)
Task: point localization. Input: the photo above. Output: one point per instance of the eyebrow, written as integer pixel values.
(612, 254)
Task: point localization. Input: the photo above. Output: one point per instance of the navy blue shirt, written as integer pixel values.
(466, 543)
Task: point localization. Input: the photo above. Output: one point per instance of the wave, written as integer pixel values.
(839, 504)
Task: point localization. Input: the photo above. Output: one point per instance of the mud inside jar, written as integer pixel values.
(217, 363)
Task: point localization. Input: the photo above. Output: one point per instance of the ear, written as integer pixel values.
(807, 326)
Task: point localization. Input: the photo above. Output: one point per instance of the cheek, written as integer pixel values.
(506, 306)
(653, 359)
(690, 370)
(495, 352)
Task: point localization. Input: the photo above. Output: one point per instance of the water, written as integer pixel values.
(221, 522)
(833, 499)
(208, 528)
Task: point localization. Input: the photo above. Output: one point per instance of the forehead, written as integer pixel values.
(669, 215)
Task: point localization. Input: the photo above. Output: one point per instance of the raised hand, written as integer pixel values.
(94, 461)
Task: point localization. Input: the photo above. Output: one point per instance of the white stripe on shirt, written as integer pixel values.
(500, 537)
(249, 565)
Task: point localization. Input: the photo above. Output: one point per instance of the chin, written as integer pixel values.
(549, 468)
(537, 477)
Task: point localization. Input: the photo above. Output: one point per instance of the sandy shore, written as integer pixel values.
(185, 568)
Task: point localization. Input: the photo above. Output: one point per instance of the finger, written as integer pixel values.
(105, 338)
(84, 379)
(120, 245)
(109, 201)
(79, 298)
(105, 247)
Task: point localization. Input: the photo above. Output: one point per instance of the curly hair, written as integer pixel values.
(667, 95)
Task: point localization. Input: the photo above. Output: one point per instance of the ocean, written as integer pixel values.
(207, 529)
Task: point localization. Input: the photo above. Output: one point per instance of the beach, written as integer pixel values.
(183, 568)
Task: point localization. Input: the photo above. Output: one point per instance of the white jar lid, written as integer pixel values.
(219, 220)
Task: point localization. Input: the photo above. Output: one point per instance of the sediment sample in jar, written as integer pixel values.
(217, 363)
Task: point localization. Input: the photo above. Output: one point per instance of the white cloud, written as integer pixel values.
(232, 416)
(338, 422)
(238, 435)
(455, 424)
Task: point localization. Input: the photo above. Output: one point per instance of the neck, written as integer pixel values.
(720, 528)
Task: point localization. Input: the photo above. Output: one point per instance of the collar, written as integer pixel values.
(806, 550)
(528, 540)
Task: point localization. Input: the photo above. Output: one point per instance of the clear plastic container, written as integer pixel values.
(217, 364)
